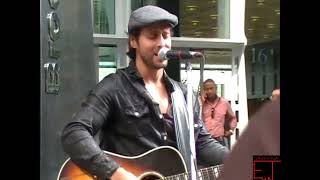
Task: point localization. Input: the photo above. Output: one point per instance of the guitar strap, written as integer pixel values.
(180, 115)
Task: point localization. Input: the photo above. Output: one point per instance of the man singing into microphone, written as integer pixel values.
(138, 108)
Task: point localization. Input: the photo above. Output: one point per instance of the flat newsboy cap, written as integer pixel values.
(149, 14)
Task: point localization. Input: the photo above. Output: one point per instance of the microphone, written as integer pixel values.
(166, 53)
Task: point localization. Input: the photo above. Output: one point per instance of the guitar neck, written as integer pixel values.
(209, 173)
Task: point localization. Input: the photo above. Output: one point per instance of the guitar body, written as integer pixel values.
(154, 164)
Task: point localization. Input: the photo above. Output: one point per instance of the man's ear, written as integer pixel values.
(133, 42)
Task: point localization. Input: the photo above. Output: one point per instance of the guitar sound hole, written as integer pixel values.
(151, 176)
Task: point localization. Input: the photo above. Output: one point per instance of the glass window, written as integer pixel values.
(204, 18)
(197, 19)
(264, 77)
(262, 29)
(103, 16)
(107, 61)
(253, 85)
(275, 81)
(217, 66)
(262, 20)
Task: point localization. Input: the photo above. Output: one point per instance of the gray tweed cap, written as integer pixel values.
(149, 14)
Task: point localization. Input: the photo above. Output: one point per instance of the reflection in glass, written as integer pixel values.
(104, 16)
(107, 61)
(262, 21)
(205, 19)
(197, 19)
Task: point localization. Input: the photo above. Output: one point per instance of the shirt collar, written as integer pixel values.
(132, 70)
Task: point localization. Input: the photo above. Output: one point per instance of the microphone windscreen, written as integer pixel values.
(163, 53)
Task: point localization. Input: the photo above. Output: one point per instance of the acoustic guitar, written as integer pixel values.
(164, 162)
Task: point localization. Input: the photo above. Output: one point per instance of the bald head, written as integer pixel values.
(210, 89)
(275, 94)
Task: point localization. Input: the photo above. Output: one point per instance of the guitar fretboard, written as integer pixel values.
(209, 173)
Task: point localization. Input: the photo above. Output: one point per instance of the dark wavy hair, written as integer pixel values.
(132, 51)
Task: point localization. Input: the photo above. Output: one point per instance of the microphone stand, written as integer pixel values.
(191, 123)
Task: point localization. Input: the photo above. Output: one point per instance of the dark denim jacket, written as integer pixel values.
(126, 120)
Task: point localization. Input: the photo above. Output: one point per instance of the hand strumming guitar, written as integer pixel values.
(122, 174)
